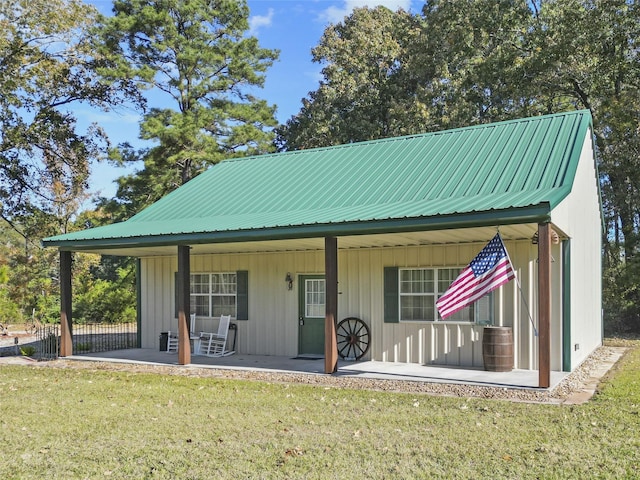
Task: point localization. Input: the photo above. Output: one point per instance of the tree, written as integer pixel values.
(480, 50)
(369, 88)
(97, 300)
(47, 67)
(196, 55)
(394, 73)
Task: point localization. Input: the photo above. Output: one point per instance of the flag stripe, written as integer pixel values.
(463, 291)
(473, 290)
(490, 269)
(471, 284)
(475, 295)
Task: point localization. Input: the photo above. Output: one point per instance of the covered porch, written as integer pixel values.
(540, 378)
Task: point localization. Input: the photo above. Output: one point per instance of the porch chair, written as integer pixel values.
(214, 344)
(194, 337)
(192, 324)
(172, 342)
(172, 337)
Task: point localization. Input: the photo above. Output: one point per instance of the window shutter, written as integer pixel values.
(391, 295)
(175, 294)
(242, 295)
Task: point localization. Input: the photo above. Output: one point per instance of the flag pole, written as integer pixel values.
(526, 305)
(524, 300)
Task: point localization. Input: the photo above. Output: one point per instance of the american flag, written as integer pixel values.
(490, 269)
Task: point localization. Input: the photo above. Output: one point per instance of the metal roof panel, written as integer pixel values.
(506, 165)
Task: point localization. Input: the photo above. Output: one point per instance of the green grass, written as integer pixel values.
(81, 423)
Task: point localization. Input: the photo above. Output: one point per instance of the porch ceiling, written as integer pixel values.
(434, 237)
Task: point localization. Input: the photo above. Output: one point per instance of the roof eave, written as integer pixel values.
(531, 214)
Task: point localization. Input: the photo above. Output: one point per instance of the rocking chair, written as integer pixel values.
(214, 344)
(172, 342)
(172, 337)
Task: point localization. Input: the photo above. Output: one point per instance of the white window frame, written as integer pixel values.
(230, 290)
(475, 310)
(314, 298)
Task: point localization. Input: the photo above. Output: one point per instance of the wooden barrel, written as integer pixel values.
(497, 349)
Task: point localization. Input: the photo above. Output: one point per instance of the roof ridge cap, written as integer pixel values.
(266, 156)
(326, 147)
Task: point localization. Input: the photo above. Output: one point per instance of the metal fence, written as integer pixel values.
(42, 342)
(87, 338)
(47, 343)
(103, 337)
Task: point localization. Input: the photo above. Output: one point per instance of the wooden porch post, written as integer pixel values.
(331, 304)
(66, 341)
(184, 305)
(544, 305)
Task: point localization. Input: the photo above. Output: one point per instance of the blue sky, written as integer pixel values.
(293, 27)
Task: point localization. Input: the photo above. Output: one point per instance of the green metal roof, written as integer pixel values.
(509, 172)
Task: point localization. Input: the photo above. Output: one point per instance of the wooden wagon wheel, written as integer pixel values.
(353, 337)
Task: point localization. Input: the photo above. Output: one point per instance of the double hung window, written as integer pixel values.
(213, 294)
(419, 289)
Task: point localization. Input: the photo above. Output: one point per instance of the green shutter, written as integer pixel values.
(391, 295)
(242, 295)
(139, 303)
(175, 294)
(566, 306)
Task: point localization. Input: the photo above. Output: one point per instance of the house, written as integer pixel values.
(291, 244)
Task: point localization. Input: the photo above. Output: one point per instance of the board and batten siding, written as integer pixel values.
(272, 327)
(579, 216)
(459, 343)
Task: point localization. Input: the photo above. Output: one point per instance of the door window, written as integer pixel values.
(314, 298)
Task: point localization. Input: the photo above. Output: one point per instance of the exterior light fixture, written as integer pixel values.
(289, 280)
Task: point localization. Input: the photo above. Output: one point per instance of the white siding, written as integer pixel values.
(579, 217)
(460, 344)
(272, 328)
(272, 325)
(157, 299)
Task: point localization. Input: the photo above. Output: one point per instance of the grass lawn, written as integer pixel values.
(80, 423)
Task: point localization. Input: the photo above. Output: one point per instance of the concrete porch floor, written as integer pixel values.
(516, 379)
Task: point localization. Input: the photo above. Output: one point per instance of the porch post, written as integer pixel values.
(544, 305)
(331, 304)
(184, 301)
(66, 341)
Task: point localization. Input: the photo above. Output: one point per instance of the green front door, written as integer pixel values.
(311, 313)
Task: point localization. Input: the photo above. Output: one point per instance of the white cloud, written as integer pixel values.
(315, 75)
(335, 14)
(258, 21)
